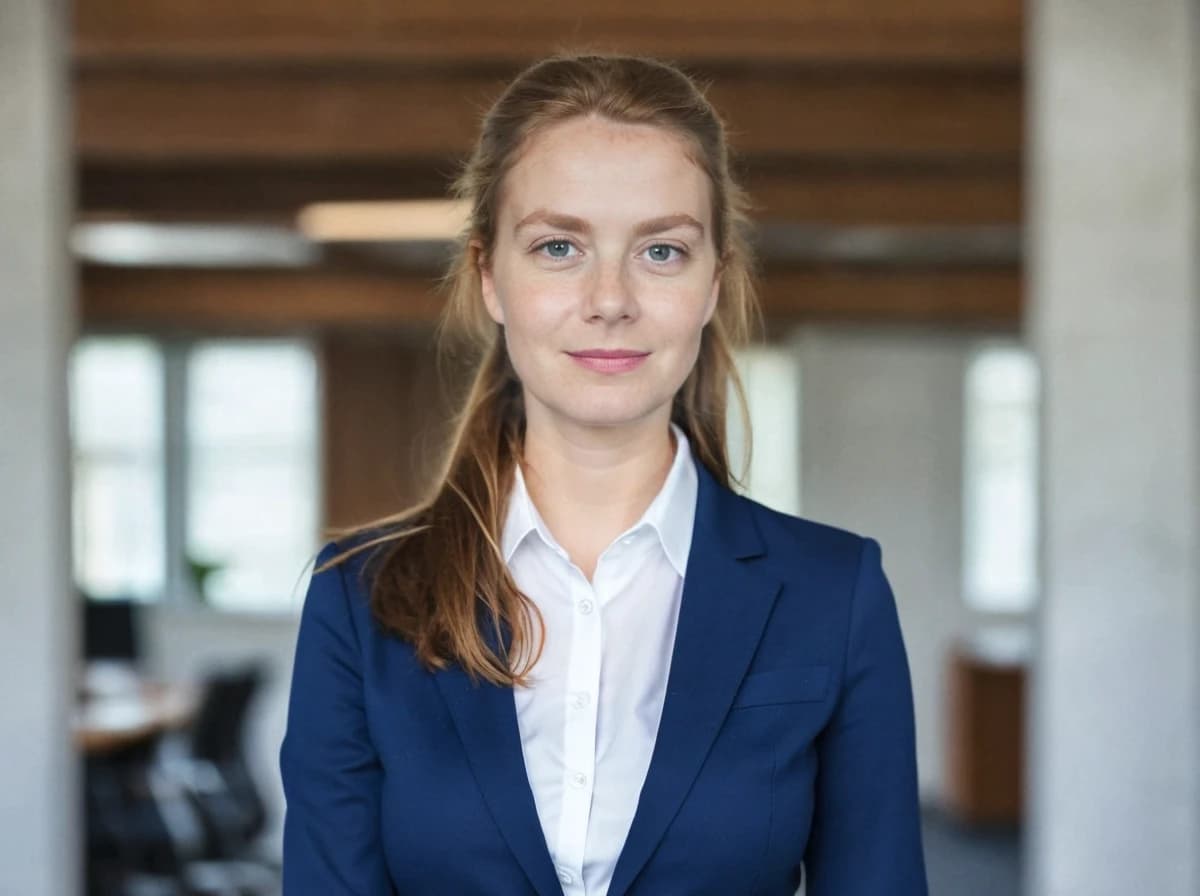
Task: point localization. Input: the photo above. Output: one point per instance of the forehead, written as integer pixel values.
(603, 170)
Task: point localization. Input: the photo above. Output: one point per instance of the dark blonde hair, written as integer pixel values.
(438, 579)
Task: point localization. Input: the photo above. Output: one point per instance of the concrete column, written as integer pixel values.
(881, 454)
(1113, 295)
(39, 840)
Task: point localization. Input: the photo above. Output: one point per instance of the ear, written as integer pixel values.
(487, 284)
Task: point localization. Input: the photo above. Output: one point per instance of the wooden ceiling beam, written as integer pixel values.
(428, 32)
(252, 301)
(305, 300)
(847, 195)
(989, 297)
(835, 195)
(316, 116)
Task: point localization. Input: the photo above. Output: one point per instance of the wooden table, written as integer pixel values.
(119, 709)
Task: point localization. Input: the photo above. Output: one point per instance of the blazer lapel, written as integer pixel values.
(486, 718)
(723, 613)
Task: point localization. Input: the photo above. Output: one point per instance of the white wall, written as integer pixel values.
(39, 830)
(882, 421)
(1114, 311)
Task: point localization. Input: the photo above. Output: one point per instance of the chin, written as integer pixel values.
(606, 413)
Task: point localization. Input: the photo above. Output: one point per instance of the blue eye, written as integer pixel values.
(661, 252)
(558, 248)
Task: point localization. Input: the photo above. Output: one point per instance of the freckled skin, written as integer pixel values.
(557, 291)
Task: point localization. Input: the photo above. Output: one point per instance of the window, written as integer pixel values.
(223, 437)
(252, 456)
(1000, 487)
(116, 391)
(771, 377)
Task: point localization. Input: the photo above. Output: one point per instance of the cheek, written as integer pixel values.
(680, 315)
(536, 312)
(533, 320)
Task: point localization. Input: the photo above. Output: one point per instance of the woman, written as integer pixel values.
(584, 665)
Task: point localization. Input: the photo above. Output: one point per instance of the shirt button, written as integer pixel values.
(579, 779)
(565, 877)
(628, 539)
(585, 606)
(579, 700)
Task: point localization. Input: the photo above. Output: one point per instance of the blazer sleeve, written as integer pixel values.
(330, 770)
(866, 833)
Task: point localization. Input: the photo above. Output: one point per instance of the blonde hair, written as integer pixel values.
(438, 577)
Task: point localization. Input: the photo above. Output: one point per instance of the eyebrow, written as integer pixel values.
(572, 224)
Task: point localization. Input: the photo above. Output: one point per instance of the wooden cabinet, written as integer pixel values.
(985, 729)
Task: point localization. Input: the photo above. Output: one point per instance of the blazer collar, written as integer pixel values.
(723, 612)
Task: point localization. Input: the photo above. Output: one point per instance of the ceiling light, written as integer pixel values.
(420, 219)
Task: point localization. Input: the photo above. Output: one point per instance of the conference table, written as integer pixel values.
(120, 708)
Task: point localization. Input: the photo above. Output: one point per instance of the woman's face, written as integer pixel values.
(603, 271)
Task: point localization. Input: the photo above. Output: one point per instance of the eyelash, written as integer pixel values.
(682, 253)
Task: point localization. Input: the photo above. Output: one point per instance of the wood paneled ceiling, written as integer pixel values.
(428, 31)
(859, 113)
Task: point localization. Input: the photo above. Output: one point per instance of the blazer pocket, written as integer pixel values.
(791, 684)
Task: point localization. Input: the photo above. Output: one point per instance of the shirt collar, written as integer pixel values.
(671, 515)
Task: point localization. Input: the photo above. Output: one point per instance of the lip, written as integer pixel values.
(609, 360)
(608, 353)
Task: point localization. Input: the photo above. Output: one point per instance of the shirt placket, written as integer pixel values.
(579, 732)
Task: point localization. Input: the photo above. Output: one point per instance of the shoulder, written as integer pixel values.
(832, 602)
(348, 557)
(835, 590)
(803, 542)
(339, 591)
(357, 556)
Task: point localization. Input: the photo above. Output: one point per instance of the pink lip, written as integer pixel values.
(605, 360)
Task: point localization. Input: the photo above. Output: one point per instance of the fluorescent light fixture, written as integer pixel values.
(145, 244)
(407, 220)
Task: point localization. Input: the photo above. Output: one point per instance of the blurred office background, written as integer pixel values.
(977, 227)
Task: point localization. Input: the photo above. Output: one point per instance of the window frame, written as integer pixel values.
(177, 593)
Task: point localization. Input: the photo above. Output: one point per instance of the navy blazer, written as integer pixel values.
(786, 739)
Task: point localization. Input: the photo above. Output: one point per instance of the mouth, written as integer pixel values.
(609, 360)
(608, 353)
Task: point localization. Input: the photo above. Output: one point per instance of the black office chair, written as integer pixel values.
(142, 828)
(139, 834)
(184, 812)
(224, 789)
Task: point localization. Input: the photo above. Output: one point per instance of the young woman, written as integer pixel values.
(584, 665)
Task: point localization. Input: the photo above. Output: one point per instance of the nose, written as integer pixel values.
(609, 294)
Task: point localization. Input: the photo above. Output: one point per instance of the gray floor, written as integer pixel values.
(970, 862)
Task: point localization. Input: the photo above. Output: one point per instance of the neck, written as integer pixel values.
(591, 484)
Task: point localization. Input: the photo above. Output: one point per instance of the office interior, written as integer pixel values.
(221, 228)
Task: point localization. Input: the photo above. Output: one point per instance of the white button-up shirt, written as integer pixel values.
(590, 718)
